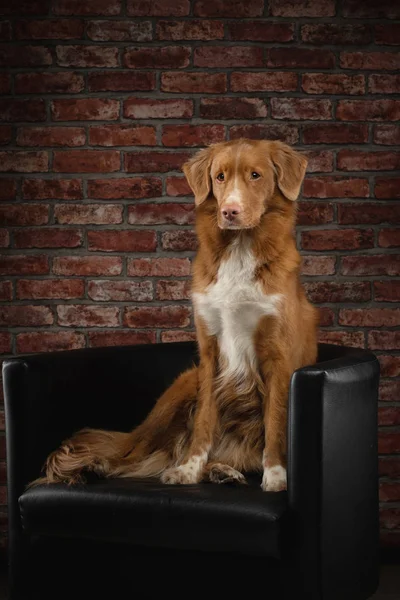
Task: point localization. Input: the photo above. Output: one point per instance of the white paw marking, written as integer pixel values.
(189, 472)
(274, 479)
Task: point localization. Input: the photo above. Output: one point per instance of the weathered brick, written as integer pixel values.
(390, 365)
(154, 161)
(389, 238)
(326, 316)
(387, 291)
(276, 131)
(368, 110)
(370, 60)
(388, 34)
(87, 56)
(48, 29)
(83, 214)
(119, 31)
(86, 161)
(5, 31)
(301, 108)
(192, 135)
(224, 56)
(335, 187)
(87, 265)
(24, 214)
(48, 237)
(337, 239)
(384, 340)
(325, 83)
(177, 186)
(366, 212)
(88, 7)
(170, 213)
(179, 240)
(370, 9)
(120, 291)
(228, 8)
(319, 161)
(389, 466)
(18, 264)
(121, 81)
(24, 162)
(312, 213)
(332, 291)
(379, 264)
(122, 135)
(318, 265)
(390, 518)
(294, 58)
(22, 110)
(25, 316)
(5, 343)
(122, 241)
(302, 8)
(260, 31)
(354, 339)
(157, 316)
(388, 443)
(5, 83)
(178, 336)
(387, 135)
(158, 267)
(389, 491)
(36, 289)
(264, 82)
(120, 338)
(387, 188)
(25, 7)
(337, 34)
(232, 108)
(132, 187)
(384, 84)
(335, 133)
(356, 160)
(4, 238)
(173, 290)
(8, 189)
(48, 189)
(85, 109)
(49, 341)
(49, 83)
(12, 56)
(81, 315)
(165, 57)
(196, 29)
(145, 108)
(193, 83)
(5, 134)
(161, 8)
(369, 317)
(51, 136)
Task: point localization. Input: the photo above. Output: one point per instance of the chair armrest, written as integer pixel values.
(333, 472)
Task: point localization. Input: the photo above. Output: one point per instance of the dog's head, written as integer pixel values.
(244, 176)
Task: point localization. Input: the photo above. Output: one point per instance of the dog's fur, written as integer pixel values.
(254, 328)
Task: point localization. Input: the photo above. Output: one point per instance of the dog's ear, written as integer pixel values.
(197, 172)
(290, 169)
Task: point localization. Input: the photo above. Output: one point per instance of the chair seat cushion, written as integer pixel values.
(144, 512)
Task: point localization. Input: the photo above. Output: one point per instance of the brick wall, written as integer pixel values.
(103, 102)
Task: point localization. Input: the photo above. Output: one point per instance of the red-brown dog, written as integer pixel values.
(254, 328)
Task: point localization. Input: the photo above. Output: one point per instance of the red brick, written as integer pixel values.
(133, 187)
(332, 291)
(177, 186)
(355, 160)
(312, 213)
(51, 136)
(384, 340)
(371, 9)
(119, 31)
(121, 81)
(25, 316)
(179, 240)
(154, 161)
(228, 8)
(35, 289)
(335, 133)
(302, 8)
(264, 82)
(389, 466)
(354, 339)
(178, 336)
(224, 56)
(144, 108)
(5, 343)
(157, 316)
(389, 518)
(326, 316)
(122, 135)
(193, 83)
(260, 31)
(301, 108)
(48, 29)
(87, 56)
(192, 135)
(24, 214)
(196, 29)
(337, 239)
(335, 187)
(387, 135)
(337, 34)
(170, 213)
(49, 83)
(388, 34)
(370, 60)
(4, 238)
(371, 317)
(122, 241)
(276, 131)
(232, 108)
(24, 162)
(86, 161)
(325, 83)
(309, 58)
(88, 7)
(5, 83)
(389, 238)
(173, 290)
(158, 267)
(318, 265)
(48, 189)
(8, 189)
(87, 265)
(390, 365)
(160, 8)
(380, 264)
(17, 264)
(319, 161)
(49, 341)
(387, 291)
(365, 212)
(120, 338)
(12, 56)
(47, 237)
(388, 443)
(164, 57)
(5, 31)
(85, 109)
(387, 188)
(83, 214)
(22, 7)
(389, 491)
(81, 315)
(22, 110)
(120, 291)
(384, 84)
(368, 110)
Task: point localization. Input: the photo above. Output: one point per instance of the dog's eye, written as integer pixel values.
(255, 175)
(220, 177)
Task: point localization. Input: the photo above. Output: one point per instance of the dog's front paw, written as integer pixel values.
(274, 479)
(182, 475)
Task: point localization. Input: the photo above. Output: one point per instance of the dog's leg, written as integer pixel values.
(219, 473)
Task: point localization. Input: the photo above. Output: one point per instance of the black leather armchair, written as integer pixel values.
(113, 538)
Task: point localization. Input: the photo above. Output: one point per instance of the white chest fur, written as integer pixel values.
(232, 308)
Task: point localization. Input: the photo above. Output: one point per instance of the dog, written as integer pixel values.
(228, 415)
